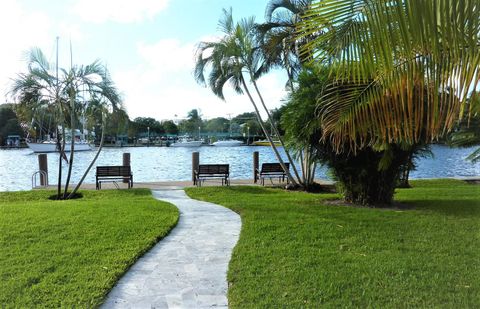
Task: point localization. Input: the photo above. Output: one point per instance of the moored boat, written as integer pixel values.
(265, 142)
(228, 143)
(186, 142)
(51, 146)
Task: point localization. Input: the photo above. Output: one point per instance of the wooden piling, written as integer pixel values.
(43, 168)
(255, 166)
(195, 163)
(126, 162)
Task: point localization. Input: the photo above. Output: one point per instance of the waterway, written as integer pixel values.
(174, 163)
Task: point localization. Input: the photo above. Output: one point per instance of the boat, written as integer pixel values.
(186, 142)
(51, 146)
(265, 142)
(227, 143)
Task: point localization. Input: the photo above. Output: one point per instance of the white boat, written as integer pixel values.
(184, 142)
(51, 146)
(227, 143)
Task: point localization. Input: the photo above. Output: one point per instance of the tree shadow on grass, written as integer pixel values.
(451, 207)
(253, 190)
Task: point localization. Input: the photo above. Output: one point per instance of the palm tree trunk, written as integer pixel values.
(72, 146)
(260, 121)
(292, 163)
(104, 122)
(59, 180)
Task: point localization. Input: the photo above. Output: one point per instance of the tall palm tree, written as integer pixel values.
(87, 83)
(66, 94)
(278, 36)
(40, 88)
(279, 42)
(389, 56)
(230, 59)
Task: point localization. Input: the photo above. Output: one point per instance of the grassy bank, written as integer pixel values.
(295, 250)
(71, 253)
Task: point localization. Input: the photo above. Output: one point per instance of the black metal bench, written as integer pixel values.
(112, 174)
(206, 171)
(273, 170)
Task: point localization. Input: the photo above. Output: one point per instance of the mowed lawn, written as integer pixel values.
(297, 251)
(70, 253)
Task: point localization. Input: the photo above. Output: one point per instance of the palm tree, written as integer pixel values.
(39, 88)
(66, 96)
(278, 36)
(389, 57)
(278, 40)
(229, 58)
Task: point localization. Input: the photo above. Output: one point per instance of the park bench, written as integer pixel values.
(112, 174)
(273, 170)
(206, 171)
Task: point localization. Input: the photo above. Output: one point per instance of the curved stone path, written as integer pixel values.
(186, 269)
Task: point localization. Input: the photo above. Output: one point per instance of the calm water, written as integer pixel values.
(168, 163)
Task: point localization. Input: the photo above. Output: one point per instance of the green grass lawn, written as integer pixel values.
(71, 253)
(296, 251)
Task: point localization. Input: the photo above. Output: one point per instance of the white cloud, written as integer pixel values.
(121, 11)
(20, 30)
(168, 55)
(163, 86)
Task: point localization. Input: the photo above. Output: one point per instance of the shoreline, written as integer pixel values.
(158, 185)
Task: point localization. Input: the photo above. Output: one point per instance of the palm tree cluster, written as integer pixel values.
(399, 75)
(67, 95)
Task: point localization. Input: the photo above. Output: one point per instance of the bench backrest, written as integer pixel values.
(121, 170)
(273, 167)
(211, 169)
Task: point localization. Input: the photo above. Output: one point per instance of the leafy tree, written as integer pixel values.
(9, 123)
(244, 117)
(118, 123)
(219, 124)
(170, 127)
(192, 123)
(143, 123)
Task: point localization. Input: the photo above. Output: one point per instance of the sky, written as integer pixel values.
(147, 45)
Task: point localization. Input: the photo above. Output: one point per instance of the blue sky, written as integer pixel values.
(148, 46)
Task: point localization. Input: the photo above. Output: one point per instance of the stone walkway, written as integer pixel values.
(186, 269)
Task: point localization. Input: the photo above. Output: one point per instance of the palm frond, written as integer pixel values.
(422, 57)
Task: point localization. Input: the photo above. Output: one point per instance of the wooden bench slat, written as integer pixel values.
(212, 171)
(272, 170)
(111, 173)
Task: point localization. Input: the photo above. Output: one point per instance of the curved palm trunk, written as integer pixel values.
(91, 163)
(292, 163)
(59, 180)
(72, 147)
(272, 144)
(61, 156)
